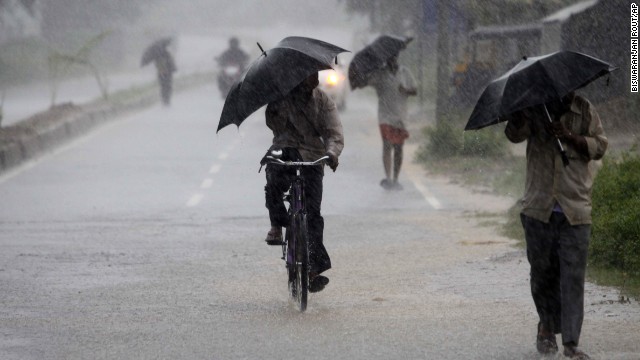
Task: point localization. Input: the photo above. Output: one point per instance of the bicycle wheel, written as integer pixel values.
(301, 263)
(289, 259)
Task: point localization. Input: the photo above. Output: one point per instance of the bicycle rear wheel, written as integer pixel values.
(299, 267)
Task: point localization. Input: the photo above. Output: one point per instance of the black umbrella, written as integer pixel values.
(154, 50)
(373, 57)
(535, 81)
(274, 74)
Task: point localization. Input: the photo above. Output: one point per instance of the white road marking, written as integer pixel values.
(195, 200)
(415, 174)
(215, 168)
(431, 199)
(206, 183)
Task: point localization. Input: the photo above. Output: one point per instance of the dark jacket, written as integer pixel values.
(312, 127)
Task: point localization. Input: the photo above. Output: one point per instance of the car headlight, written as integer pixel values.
(333, 79)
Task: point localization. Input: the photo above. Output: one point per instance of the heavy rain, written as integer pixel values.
(480, 198)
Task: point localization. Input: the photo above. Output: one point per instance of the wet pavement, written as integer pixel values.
(145, 240)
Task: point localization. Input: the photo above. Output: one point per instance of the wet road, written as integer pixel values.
(145, 240)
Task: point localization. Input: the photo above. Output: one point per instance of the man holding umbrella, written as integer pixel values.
(166, 66)
(564, 137)
(158, 53)
(306, 126)
(556, 213)
(377, 66)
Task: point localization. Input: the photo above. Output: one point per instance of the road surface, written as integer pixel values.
(144, 240)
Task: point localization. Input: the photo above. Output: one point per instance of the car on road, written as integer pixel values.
(336, 85)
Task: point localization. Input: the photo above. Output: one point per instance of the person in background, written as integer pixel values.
(393, 84)
(234, 55)
(556, 213)
(165, 66)
(231, 65)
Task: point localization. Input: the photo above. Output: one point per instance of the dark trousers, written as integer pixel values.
(557, 253)
(166, 85)
(278, 181)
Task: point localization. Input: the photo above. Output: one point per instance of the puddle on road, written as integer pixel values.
(488, 242)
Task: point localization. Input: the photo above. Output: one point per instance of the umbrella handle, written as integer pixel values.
(261, 49)
(563, 152)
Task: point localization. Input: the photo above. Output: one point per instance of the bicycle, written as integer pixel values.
(295, 247)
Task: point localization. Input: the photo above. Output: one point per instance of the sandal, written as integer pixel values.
(317, 282)
(546, 343)
(572, 352)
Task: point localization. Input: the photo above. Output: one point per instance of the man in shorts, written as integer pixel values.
(394, 84)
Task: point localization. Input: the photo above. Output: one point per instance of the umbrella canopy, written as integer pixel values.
(274, 74)
(535, 81)
(373, 57)
(154, 50)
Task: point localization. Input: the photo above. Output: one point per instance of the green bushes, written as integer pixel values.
(489, 142)
(615, 240)
(447, 139)
(442, 141)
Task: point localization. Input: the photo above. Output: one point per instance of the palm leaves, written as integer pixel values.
(61, 63)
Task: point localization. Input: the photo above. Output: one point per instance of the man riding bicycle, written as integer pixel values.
(306, 127)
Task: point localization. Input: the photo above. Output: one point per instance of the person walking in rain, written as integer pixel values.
(165, 66)
(233, 55)
(556, 213)
(306, 127)
(393, 84)
(231, 63)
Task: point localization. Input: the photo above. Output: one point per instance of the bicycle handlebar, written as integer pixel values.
(295, 163)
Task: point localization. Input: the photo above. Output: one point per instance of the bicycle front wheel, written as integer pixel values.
(300, 265)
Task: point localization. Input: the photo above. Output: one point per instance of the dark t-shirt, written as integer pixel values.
(233, 56)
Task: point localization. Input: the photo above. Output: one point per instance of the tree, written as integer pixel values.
(443, 73)
(508, 12)
(60, 64)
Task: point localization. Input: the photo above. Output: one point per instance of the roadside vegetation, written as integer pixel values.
(485, 161)
(615, 239)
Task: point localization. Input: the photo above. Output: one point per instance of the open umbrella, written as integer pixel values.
(374, 56)
(154, 50)
(274, 74)
(535, 81)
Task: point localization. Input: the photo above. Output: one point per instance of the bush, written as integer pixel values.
(488, 142)
(447, 140)
(615, 240)
(442, 141)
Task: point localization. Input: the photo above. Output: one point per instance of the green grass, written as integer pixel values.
(615, 240)
(500, 175)
(629, 285)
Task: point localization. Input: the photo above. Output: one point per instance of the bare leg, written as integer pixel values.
(386, 158)
(397, 161)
